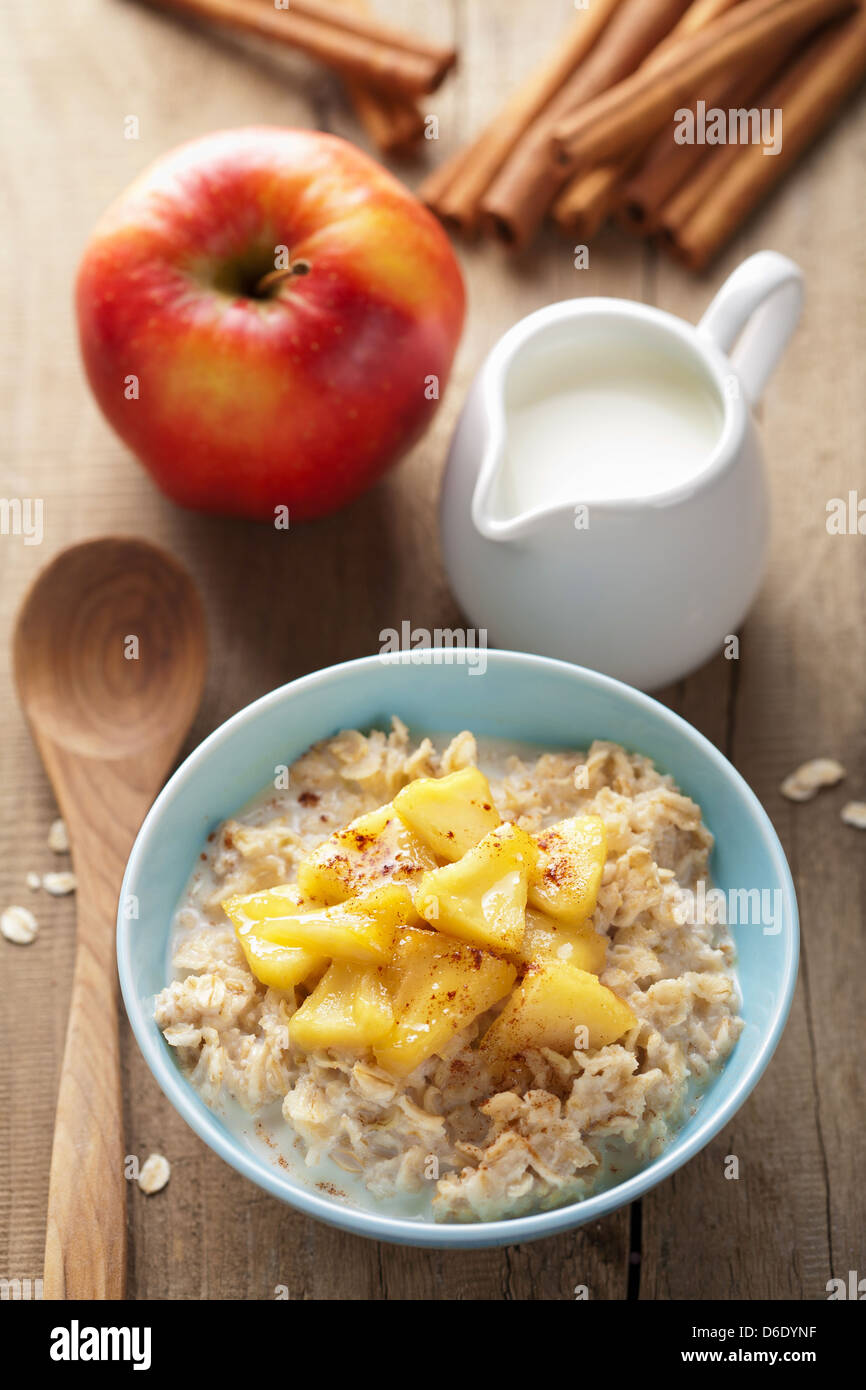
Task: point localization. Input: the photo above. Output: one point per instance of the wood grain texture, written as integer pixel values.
(796, 1214)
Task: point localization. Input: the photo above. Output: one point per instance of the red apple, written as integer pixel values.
(241, 398)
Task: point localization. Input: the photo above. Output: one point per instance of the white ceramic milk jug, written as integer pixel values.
(605, 499)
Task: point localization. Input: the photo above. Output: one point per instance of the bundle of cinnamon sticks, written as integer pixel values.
(384, 69)
(616, 123)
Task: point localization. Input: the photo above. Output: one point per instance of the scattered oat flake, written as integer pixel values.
(810, 777)
(854, 813)
(59, 884)
(19, 925)
(33, 881)
(155, 1173)
(58, 837)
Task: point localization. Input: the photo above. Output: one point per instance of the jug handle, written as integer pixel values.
(757, 309)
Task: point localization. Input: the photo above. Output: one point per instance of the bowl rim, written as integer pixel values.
(411, 1231)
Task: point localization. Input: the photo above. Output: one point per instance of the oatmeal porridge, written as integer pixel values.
(457, 967)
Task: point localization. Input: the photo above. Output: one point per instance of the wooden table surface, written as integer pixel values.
(797, 1213)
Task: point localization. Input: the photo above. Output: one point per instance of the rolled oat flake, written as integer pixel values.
(155, 1173)
(58, 837)
(19, 925)
(59, 884)
(809, 778)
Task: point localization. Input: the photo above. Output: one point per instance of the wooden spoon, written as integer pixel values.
(110, 658)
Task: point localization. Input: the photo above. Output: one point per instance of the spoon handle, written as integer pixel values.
(85, 1241)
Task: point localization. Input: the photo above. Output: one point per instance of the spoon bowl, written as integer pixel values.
(109, 649)
(110, 656)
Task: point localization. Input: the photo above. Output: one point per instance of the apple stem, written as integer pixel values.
(276, 277)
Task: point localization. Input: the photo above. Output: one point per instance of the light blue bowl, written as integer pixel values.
(518, 697)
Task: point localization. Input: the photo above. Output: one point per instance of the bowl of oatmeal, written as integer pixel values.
(457, 955)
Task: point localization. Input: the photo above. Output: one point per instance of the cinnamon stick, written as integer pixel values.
(392, 121)
(699, 14)
(673, 176)
(607, 127)
(584, 203)
(588, 199)
(521, 193)
(440, 179)
(356, 46)
(455, 189)
(809, 92)
(665, 168)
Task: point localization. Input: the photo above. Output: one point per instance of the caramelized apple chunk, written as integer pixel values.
(283, 901)
(376, 848)
(567, 876)
(438, 987)
(392, 903)
(554, 1001)
(279, 966)
(360, 929)
(346, 931)
(450, 814)
(350, 1007)
(544, 939)
(482, 898)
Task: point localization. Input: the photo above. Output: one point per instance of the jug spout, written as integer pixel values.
(498, 418)
(499, 512)
(503, 509)
(494, 513)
